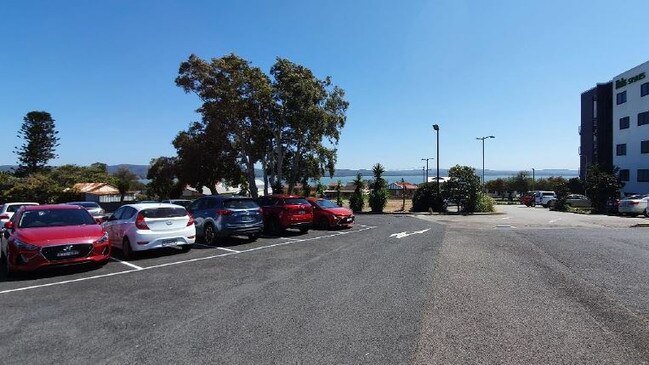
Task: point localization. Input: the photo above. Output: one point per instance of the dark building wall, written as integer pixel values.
(596, 139)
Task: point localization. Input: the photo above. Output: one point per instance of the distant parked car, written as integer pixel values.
(612, 206)
(182, 202)
(634, 205)
(52, 235)
(141, 227)
(220, 216)
(575, 201)
(543, 197)
(93, 208)
(7, 210)
(286, 211)
(327, 214)
(528, 200)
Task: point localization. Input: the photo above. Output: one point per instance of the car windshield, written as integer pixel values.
(166, 212)
(326, 204)
(240, 204)
(55, 218)
(296, 201)
(184, 203)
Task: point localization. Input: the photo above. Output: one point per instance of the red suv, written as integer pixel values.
(327, 214)
(286, 211)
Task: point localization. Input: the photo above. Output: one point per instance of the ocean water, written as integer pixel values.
(418, 179)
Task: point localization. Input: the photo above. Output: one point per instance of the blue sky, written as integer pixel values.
(514, 69)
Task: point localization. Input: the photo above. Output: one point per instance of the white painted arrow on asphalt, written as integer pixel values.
(406, 234)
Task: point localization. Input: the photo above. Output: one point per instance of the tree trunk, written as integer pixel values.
(250, 174)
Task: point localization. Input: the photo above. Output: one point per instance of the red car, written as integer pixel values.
(327, 214)
(51, 235)
(286, 211)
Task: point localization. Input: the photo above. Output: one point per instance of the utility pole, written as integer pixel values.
(436, 129)
(426, 159)
(482, 139)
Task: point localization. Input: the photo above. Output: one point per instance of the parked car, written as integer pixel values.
(39, 236)
(528, 200)
(575, 201)
(141, 227)
(221, 216)
(327, 214)
(7, 210)
(286, 211)
(612, 206)
(182, 202)
(95, 210)
(543, 197)
(634, 205)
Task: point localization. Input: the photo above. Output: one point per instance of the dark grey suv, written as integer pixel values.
(223, 216)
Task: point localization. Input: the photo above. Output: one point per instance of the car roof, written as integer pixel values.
(286, 196)
(312, 199)
(51, 207)
(225, 197)
(21, 203)
(141, 206)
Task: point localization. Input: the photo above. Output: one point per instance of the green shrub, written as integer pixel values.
(426, 198)
(485, 203)
(378, 199)
(357, 201)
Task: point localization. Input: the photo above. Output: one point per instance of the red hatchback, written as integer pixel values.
(51, 235)
(286, 211)
(327, 214)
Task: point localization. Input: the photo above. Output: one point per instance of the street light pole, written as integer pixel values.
(436, 128)
(482, 139)
(426, 176)
(533, 178)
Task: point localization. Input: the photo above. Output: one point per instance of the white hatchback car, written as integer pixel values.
(7, 210)
(146, 226)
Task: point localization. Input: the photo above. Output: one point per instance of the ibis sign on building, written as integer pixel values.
(624, 82)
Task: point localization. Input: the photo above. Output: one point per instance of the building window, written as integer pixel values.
(624, 123)
(595, 109)
(643, 118)
(643, 175)
(644, 89)
(644, 147)
(621, 97)
(620, 149)
(624, 175)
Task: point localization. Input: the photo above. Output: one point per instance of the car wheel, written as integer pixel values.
(185, 248)
(323, 223)
(646, 212)
(253, 237)
(532, 204)
(209, 234)
(127, 251)
(304, 230)
(275, 227)
(633, 215)
(6, 270)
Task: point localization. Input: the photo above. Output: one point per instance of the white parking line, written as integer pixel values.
(140, 269)
(126, 263)
(229, 250)
(555, 220)
(288, 238)
(506, 218)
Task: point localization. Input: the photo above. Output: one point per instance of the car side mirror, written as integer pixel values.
(9, 225)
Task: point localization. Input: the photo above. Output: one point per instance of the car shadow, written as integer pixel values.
(148, 254)
(51, 272)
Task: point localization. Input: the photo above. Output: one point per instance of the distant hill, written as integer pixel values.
(141, 171)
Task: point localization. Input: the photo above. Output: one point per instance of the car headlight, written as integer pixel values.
(25, 246)
(103, 238)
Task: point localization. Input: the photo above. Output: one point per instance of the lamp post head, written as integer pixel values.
(436, 127)
(491, 136)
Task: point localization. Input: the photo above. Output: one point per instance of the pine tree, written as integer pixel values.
(40, 140)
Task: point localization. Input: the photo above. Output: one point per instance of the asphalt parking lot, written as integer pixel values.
(345, 296)
(524, 286)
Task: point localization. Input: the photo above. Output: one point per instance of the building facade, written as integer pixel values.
(631, 128)
(595, 131)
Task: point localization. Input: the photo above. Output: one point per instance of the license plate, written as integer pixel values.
(300, 212)
(169, 242)
(67, 253)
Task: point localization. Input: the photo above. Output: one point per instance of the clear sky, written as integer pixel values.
(511, 68)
